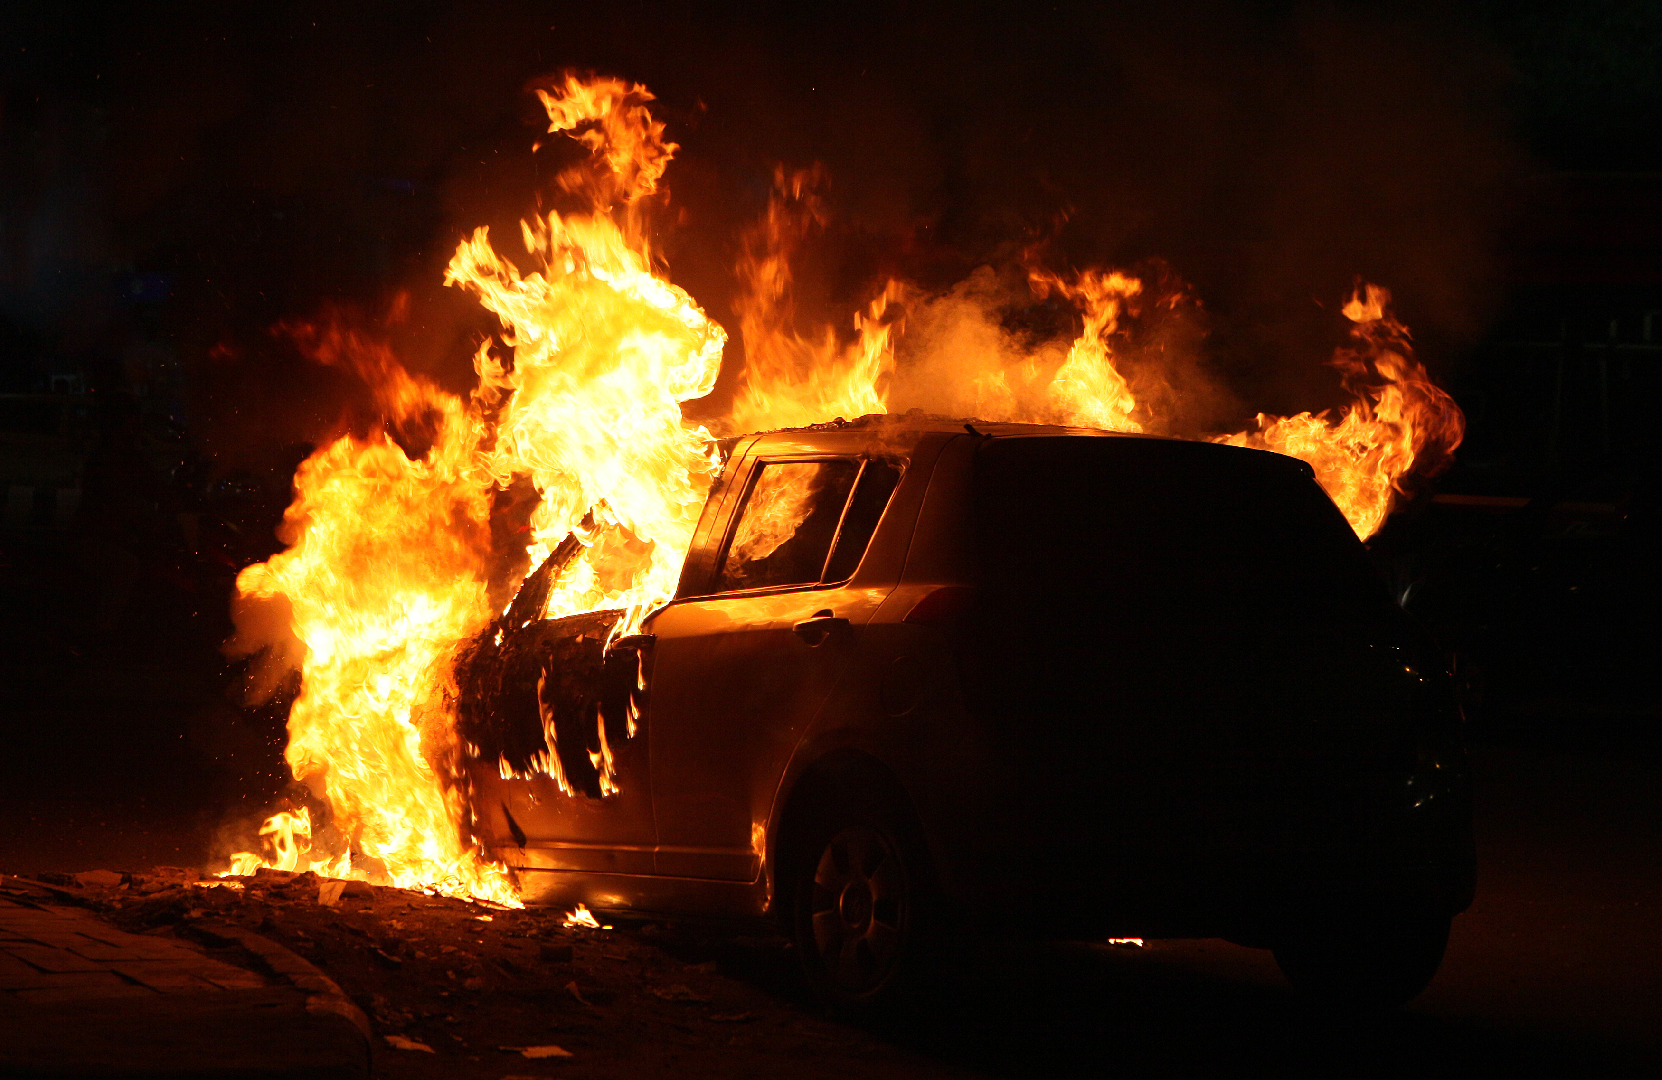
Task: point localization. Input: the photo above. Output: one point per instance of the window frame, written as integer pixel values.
(755, 468)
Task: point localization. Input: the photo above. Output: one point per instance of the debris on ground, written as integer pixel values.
(453, 985)
(399, 1042)
(548, 1050)
(679, 992)
(107, 879)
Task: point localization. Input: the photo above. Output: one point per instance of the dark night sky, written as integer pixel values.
(176, 180)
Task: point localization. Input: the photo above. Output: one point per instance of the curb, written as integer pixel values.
(323, 994)
(277, 1018)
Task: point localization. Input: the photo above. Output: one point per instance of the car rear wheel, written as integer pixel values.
(1364, 961)
(858, 913)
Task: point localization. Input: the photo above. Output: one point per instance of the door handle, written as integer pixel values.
(817, 629)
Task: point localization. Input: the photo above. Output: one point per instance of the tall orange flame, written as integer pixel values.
(1088, 390)
(791, 379)
(389, 558)
(384, 576)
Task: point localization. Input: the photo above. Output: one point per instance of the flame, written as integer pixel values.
(582, 916)
(1088, 390)
(611, 118)
(387, 571)
(383, 578)
(286, 836)
(791, 379)
(390, 566)
(779, 503)
(1402, 425)
(604, 351)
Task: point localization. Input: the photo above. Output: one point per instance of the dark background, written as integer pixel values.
(178, 181)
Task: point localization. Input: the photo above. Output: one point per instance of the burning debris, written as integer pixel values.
(389, 585)
(581, 916)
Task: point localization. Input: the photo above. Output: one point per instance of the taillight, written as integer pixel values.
(944, 605)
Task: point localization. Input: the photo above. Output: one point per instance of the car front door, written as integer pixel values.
(561, 755)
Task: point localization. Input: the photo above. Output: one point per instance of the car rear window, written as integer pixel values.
(799, 524)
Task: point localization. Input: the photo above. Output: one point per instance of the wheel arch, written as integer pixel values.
(839, 774)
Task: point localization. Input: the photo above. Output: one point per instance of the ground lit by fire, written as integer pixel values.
(390, 568)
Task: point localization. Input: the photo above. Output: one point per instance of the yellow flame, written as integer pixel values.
(389, 558)
(1088, 390)
(791, 378)
(582, 916)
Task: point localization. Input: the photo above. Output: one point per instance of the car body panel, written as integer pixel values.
(573, 830)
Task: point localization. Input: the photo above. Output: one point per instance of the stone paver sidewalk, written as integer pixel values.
(80, 997)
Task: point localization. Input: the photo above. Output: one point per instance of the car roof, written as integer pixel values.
(916, 422)
(920, 421)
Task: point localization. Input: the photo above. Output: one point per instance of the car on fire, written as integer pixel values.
(921, 673)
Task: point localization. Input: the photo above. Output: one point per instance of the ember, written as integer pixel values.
(389, 571)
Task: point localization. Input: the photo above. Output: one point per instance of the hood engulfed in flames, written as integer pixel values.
(389, 567)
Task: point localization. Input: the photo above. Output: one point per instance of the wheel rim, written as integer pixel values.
(859, 908)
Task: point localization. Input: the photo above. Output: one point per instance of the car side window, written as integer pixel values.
(878, 479)
(787, 525)
(800, 526)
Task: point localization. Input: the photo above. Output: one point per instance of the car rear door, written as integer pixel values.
(740, 672)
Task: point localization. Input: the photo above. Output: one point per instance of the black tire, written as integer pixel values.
(860, 908)
(1364, 962)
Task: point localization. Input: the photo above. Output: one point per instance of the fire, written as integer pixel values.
(1401, 425)
(604, 352)
(289, 838)
(1088, 390)
(581, 916)
(389, 567)
(383, 577)
(387, 571)
(791, 379)
(782, 500)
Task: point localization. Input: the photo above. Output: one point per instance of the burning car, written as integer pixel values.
(919, 672)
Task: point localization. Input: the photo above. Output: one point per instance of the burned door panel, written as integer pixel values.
(553, 724)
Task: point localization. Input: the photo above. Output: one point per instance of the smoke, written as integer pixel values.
(265, 636)
(958, 355)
